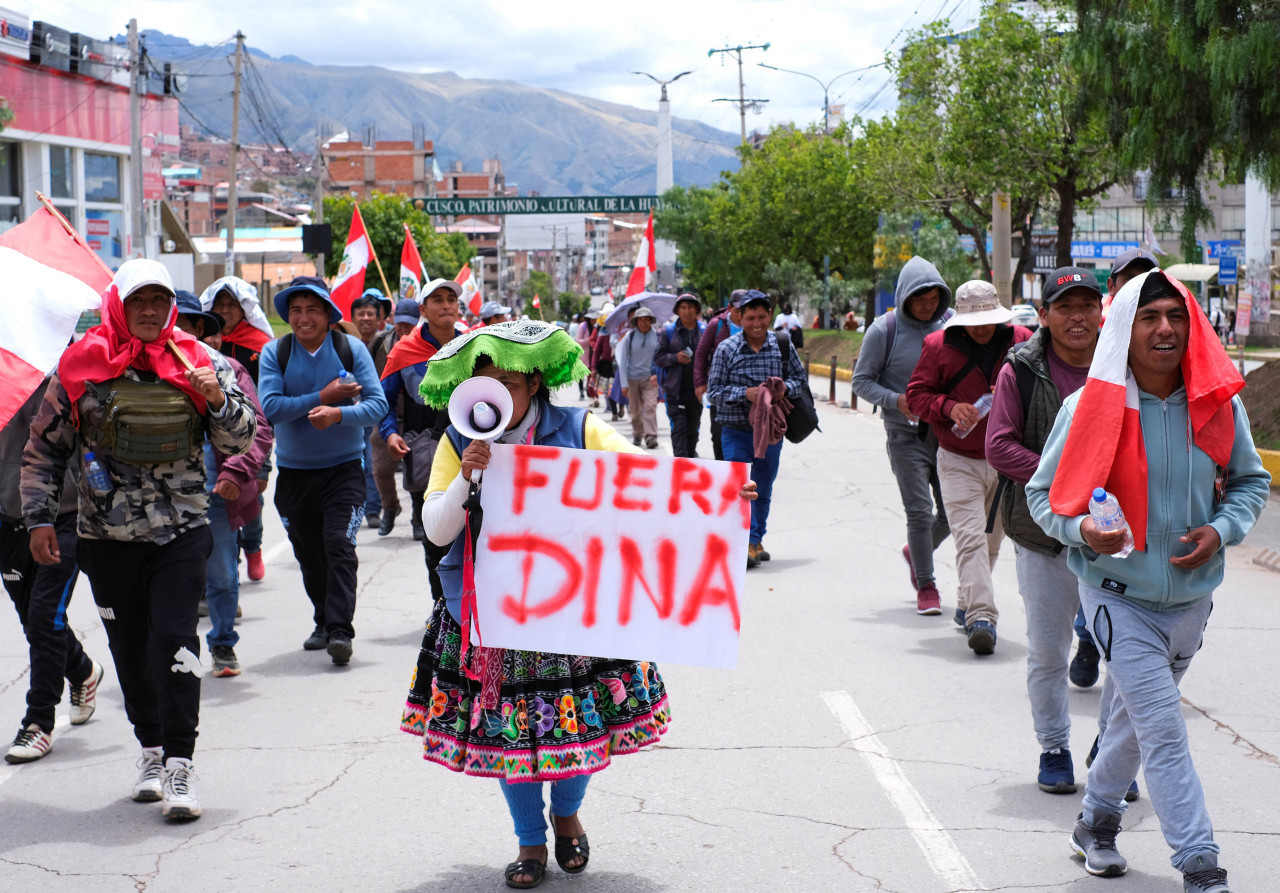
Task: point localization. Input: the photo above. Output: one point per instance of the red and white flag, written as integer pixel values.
(470, 289)
(1104, 447)
(349, 283)
(411, 273)
(50, 277)
(536, 301)
(646, 261)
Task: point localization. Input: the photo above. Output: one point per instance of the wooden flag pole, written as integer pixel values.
(385, 288)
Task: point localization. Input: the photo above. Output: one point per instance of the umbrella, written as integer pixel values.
(661, 305)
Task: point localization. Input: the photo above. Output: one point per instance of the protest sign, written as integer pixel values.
(623, 555)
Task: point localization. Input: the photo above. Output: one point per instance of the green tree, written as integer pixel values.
(384, 218)
(1196, 95)
(538, 283)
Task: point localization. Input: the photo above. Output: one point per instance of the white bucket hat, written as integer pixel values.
(978, 305)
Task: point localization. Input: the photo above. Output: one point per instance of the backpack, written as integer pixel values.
(336, 338)
(802, 420)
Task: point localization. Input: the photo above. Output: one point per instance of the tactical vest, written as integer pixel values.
(145, 423)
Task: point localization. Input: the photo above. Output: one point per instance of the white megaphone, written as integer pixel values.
(480, 408)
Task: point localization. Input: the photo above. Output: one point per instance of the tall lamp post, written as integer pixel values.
(666, 252)
(826, 88)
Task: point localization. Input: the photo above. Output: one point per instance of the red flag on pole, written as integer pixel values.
(51, 276)
(349, 283)
(646, 261)
(411, 273)
(470, 289)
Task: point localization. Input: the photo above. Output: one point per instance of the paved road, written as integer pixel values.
(857, 747)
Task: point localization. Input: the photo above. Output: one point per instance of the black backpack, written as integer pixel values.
(803, 418)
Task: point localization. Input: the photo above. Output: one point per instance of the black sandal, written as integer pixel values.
(532, 867)
(566, 849)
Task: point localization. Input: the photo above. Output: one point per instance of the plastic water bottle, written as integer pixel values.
(1106, 514)
(983, 405)
(96, 475)
(344, 377)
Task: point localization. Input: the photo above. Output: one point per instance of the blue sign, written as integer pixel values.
(1099, 250)
(1227, 269)
(1220, 249)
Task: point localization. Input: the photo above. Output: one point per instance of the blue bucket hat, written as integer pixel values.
(308, 285)
(189, 305)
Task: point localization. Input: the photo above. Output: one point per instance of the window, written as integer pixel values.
(10, 186)
(101, 177)
(62, 180)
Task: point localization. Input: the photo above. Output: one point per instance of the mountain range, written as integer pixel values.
(552, 141)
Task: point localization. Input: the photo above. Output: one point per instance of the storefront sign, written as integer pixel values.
(1100, 250)
(539, 204)
(15, 34)
(1244, 313)
(51, 46)
(99, 59)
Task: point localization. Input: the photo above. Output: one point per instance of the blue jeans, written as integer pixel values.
(1147, 653)
(739, 446)
(524, 802)
(222, 579)
(251, 534)
(372, 501)
(1082, 628)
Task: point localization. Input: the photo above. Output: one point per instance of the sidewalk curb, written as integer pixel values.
(1271, 462)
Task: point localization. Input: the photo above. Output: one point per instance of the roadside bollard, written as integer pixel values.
(806, 364)
(832, 396)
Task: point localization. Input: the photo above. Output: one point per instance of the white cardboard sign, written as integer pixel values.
(623, 555)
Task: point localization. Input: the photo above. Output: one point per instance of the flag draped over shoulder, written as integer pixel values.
(1105, 447)
(50, 277)
(408, 351)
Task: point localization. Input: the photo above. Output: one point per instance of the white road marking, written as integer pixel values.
(939, 848)
(276, 551)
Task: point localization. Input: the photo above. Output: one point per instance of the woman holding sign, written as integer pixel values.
(522, 717)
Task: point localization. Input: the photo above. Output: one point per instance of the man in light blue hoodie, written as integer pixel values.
(890, 350)
(320, 390)
(1148, 611)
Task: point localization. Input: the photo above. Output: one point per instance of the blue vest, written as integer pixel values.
(559, 426)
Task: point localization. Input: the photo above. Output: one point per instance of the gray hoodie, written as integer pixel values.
(881, 379)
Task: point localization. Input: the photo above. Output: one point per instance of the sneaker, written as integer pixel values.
(1057, 774)
(224, 661)
(982, 637)
(29, 745)
(84, 697)
(911, 568)
(959, 617)
(635, 441)
(761, 553)
(1084, 666)
(374, 518)
(753, 555)
(340, 649)
(150, 784)
(1206, 877)
(928, 602)
(651, 443)
(388, 521)
(179, 799)
(1097, 844)
(1130, 795)
(317, 641)
(256, 568)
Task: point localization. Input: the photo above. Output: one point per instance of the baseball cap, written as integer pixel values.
(688, 298)
(407, 310)
(735, 296)
(134, 274)
(754, 296)
(189, 305)
(434, 284)
(492, 308)
(1063, 279)
(1128, 258)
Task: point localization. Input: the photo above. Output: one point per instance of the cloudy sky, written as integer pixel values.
(581, 46)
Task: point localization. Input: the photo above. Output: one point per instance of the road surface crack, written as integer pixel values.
(1252, 750)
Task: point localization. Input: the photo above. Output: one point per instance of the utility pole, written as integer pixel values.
(1001, 238)
(135, 142)
(742, 96)
(1257, 253)
(317, 213)
(233, 197)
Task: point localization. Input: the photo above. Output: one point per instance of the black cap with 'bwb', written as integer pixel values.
(1063, 279)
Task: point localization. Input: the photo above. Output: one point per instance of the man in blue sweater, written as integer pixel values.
(320, 390)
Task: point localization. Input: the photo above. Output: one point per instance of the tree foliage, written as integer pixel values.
(384, 218)
(1186, 88)
(796, 198)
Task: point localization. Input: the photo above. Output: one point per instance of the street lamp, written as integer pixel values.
(826, 88)
(666, 171)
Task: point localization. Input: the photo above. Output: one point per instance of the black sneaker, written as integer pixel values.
(388, 521)
(1084, 666)
(1097, 844)
(374, 519)
(1205, 876)
(317, 641)
(224, 661)
(340, 649)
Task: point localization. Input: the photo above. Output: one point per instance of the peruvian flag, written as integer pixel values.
(51, 276)
(411, 273)
(1104, 447)
(349, 283)
(470, 289)
(646, 261)
(536, 302)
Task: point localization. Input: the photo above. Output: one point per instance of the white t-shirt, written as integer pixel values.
(791, 321)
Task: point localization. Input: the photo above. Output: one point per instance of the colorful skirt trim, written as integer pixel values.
(556, 715)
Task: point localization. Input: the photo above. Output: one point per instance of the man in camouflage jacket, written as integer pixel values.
(144, 534)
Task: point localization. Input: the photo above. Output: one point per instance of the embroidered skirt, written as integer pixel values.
(555, 715)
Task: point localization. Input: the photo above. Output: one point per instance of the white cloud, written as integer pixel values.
(580, 46)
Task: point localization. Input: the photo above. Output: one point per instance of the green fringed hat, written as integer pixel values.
(523, 345)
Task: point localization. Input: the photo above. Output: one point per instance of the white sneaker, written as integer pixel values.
(179, 799)
(150, 784)
(84, 697)
(29, 745)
